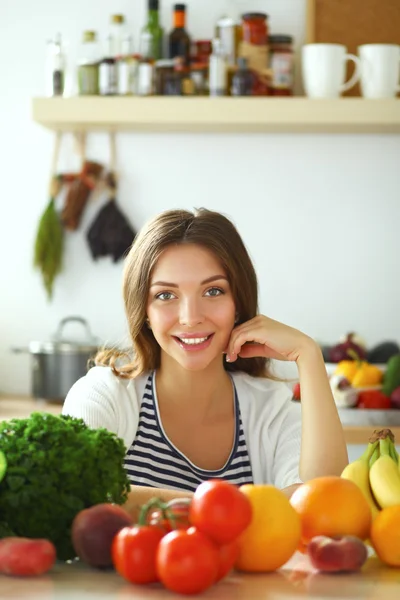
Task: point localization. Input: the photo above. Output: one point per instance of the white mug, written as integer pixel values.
(324, 70)
(380, 70)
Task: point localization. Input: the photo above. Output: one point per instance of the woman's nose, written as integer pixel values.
(190, 313)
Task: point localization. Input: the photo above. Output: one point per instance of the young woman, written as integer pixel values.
(196, 401)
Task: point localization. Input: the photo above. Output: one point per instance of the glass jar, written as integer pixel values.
(164, 71)
(281, 64)
(199, 75)
(254, 47)
(255, 29)
(202, 50)
(188, 87)
(88, 65)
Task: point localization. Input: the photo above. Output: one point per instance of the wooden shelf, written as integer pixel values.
(256, 115)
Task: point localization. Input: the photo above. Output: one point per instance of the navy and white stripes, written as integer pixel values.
(153, 460)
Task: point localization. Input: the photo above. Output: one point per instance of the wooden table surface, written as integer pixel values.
(297, 579)
(23, 406)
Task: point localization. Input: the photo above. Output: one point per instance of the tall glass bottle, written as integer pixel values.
(117, 32)
(145, 83)
(154, 28)
(55, 67)
(108, 74)
(179, 39)
(127, 65)
(88, 65)
(218, 81)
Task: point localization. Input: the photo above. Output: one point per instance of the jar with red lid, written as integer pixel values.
(282, 64)
(255, 28)
(254, 48)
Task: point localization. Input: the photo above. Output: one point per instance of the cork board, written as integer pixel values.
(352, 23)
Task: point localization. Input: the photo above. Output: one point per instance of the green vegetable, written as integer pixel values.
(49, 245)
(56, 467)
(3, 465)
(391, 378)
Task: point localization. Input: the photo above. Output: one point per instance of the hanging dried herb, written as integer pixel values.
(49, 243)
(78, 194)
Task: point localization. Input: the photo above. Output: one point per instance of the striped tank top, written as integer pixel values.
(154, 461)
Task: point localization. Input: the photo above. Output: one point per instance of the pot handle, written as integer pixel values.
(58, 336)
(20, 350)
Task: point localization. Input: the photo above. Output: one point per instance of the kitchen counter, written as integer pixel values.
(22, 406)
(358, 425)
(296, 579)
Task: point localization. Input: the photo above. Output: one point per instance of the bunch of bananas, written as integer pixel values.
(377, 472)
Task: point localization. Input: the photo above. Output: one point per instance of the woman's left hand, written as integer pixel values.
(262, 336)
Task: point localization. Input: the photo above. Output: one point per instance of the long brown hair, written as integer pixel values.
(209, 229)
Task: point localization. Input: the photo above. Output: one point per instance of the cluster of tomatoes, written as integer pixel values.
(187, 545)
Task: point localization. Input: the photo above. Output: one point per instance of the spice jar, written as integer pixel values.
(254, 48)
(164, 71)
(187, 84)
(199, 75)
(282, 65)
(255, 28)
(203, 50)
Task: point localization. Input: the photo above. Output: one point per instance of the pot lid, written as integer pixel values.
(60, 348)
(61, 345)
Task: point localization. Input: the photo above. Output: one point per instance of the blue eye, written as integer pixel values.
(164, 296)
(214, 291)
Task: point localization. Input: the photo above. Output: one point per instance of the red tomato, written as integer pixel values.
(373, 399)
(134, 552)
(227, 558)
(187, 561)
(177, 516)
(220, 510)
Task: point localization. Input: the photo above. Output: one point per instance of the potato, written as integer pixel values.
(93, 531)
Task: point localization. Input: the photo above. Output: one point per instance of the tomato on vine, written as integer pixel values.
(220, 510)
(187, 561)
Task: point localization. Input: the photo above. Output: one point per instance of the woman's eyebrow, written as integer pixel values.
(174, 285)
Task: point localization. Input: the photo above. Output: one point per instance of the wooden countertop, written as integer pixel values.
(23, 406)
(296, 579)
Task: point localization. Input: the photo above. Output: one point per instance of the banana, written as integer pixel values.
(384, 477)
(358, 472)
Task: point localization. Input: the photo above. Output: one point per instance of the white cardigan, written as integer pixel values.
(271, 424)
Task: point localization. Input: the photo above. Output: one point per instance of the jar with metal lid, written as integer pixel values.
(254, 48)
(164, 71)
(255, 28)
(282, 64)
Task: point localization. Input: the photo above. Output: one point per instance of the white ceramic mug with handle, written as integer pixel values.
(380, 70)
(324, 70)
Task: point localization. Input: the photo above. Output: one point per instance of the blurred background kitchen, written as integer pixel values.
(318, 212)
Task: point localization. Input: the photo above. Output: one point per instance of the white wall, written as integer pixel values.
(319, 213)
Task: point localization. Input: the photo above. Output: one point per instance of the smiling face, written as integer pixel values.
(190, 307)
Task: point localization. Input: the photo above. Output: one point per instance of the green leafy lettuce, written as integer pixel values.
(57, 466)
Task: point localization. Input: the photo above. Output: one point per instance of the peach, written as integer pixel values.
(93, 530)
(342, 553)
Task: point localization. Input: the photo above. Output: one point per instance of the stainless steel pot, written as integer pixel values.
(59, 363)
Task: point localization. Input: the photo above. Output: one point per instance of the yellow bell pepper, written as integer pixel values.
(367, 375)
(359, 373)
(347, 368)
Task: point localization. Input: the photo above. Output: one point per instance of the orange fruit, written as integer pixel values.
(332, 506)
(385, 535)
(273, 534)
